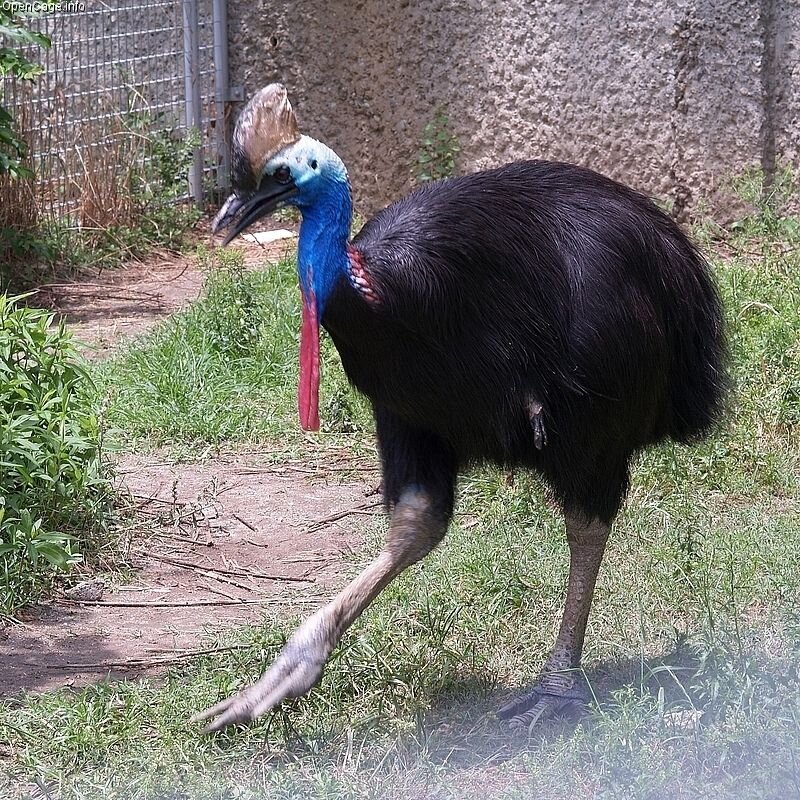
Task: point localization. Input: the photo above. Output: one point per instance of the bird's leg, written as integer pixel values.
(536, 417)
(559, 688)
(415, 529)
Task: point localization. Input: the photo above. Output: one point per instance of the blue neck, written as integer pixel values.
(322, 247)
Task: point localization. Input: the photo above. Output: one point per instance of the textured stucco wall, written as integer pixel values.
(784, 72)
(671, 97)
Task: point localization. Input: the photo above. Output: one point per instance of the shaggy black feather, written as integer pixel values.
(535, 280)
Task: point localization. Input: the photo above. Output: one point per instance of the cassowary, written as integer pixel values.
(537, 315)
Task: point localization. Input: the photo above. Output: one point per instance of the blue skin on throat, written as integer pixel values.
(324, 232)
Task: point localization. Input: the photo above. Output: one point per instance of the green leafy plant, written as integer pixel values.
(438, 150)
(232, 310)
(50, 453)
(156, 180)
(14, 63)
(767, 199)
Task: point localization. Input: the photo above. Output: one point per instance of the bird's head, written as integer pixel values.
(274, 165)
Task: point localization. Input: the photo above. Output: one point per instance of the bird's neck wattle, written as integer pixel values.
(322, 256)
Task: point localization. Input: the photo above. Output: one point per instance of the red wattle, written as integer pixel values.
(308, 386)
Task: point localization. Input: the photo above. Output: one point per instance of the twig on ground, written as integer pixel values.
(244, 522)
(221, 593)
(257, 544)
(181, 539)
(244, 573)
(180, 603)
(143, 663)
(150, 589)
(146, 499)
(313, 560)
(216, 575)
(364, 508)
(116, 293)
(283, 469)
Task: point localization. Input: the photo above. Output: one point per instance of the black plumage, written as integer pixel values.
(535, 280)
(537, 315)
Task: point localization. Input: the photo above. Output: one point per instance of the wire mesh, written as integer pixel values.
(114, 75)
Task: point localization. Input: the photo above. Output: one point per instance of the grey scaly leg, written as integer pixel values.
(558, 687)
(414, 531)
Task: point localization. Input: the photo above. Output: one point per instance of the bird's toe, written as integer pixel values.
(298, 667)
(537, 705)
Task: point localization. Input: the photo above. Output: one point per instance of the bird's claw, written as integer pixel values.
(536, 418)
(539, 705)
(296, 670)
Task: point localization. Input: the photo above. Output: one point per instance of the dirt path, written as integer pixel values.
(218, 530)
(213, 545)
(119, 304)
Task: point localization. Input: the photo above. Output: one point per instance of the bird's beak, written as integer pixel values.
(241, 212)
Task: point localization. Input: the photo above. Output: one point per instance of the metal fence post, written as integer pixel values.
(191, 80)
(219, 12)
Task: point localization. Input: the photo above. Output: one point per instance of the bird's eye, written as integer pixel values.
(282, 174)
(313, 163)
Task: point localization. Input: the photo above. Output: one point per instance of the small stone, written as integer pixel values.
(86, 590)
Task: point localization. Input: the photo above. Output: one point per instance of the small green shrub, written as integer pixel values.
(14, 62)
(438, 150)
(767, 199)
(51, 481)
(231, 312)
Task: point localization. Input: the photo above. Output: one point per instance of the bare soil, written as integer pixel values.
(212, 545)
(229, 543)
(115, 305)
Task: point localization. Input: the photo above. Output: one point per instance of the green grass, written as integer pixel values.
(225, 370)
(692, 648)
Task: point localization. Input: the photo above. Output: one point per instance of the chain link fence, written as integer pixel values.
(131, 95)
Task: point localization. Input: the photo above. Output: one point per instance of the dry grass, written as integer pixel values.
(103, 189)
(19, 205)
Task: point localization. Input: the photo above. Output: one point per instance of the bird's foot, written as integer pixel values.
(541, 703)
(536, 417)
(296, 670)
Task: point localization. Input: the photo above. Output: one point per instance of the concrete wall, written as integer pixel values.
(670, 97)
